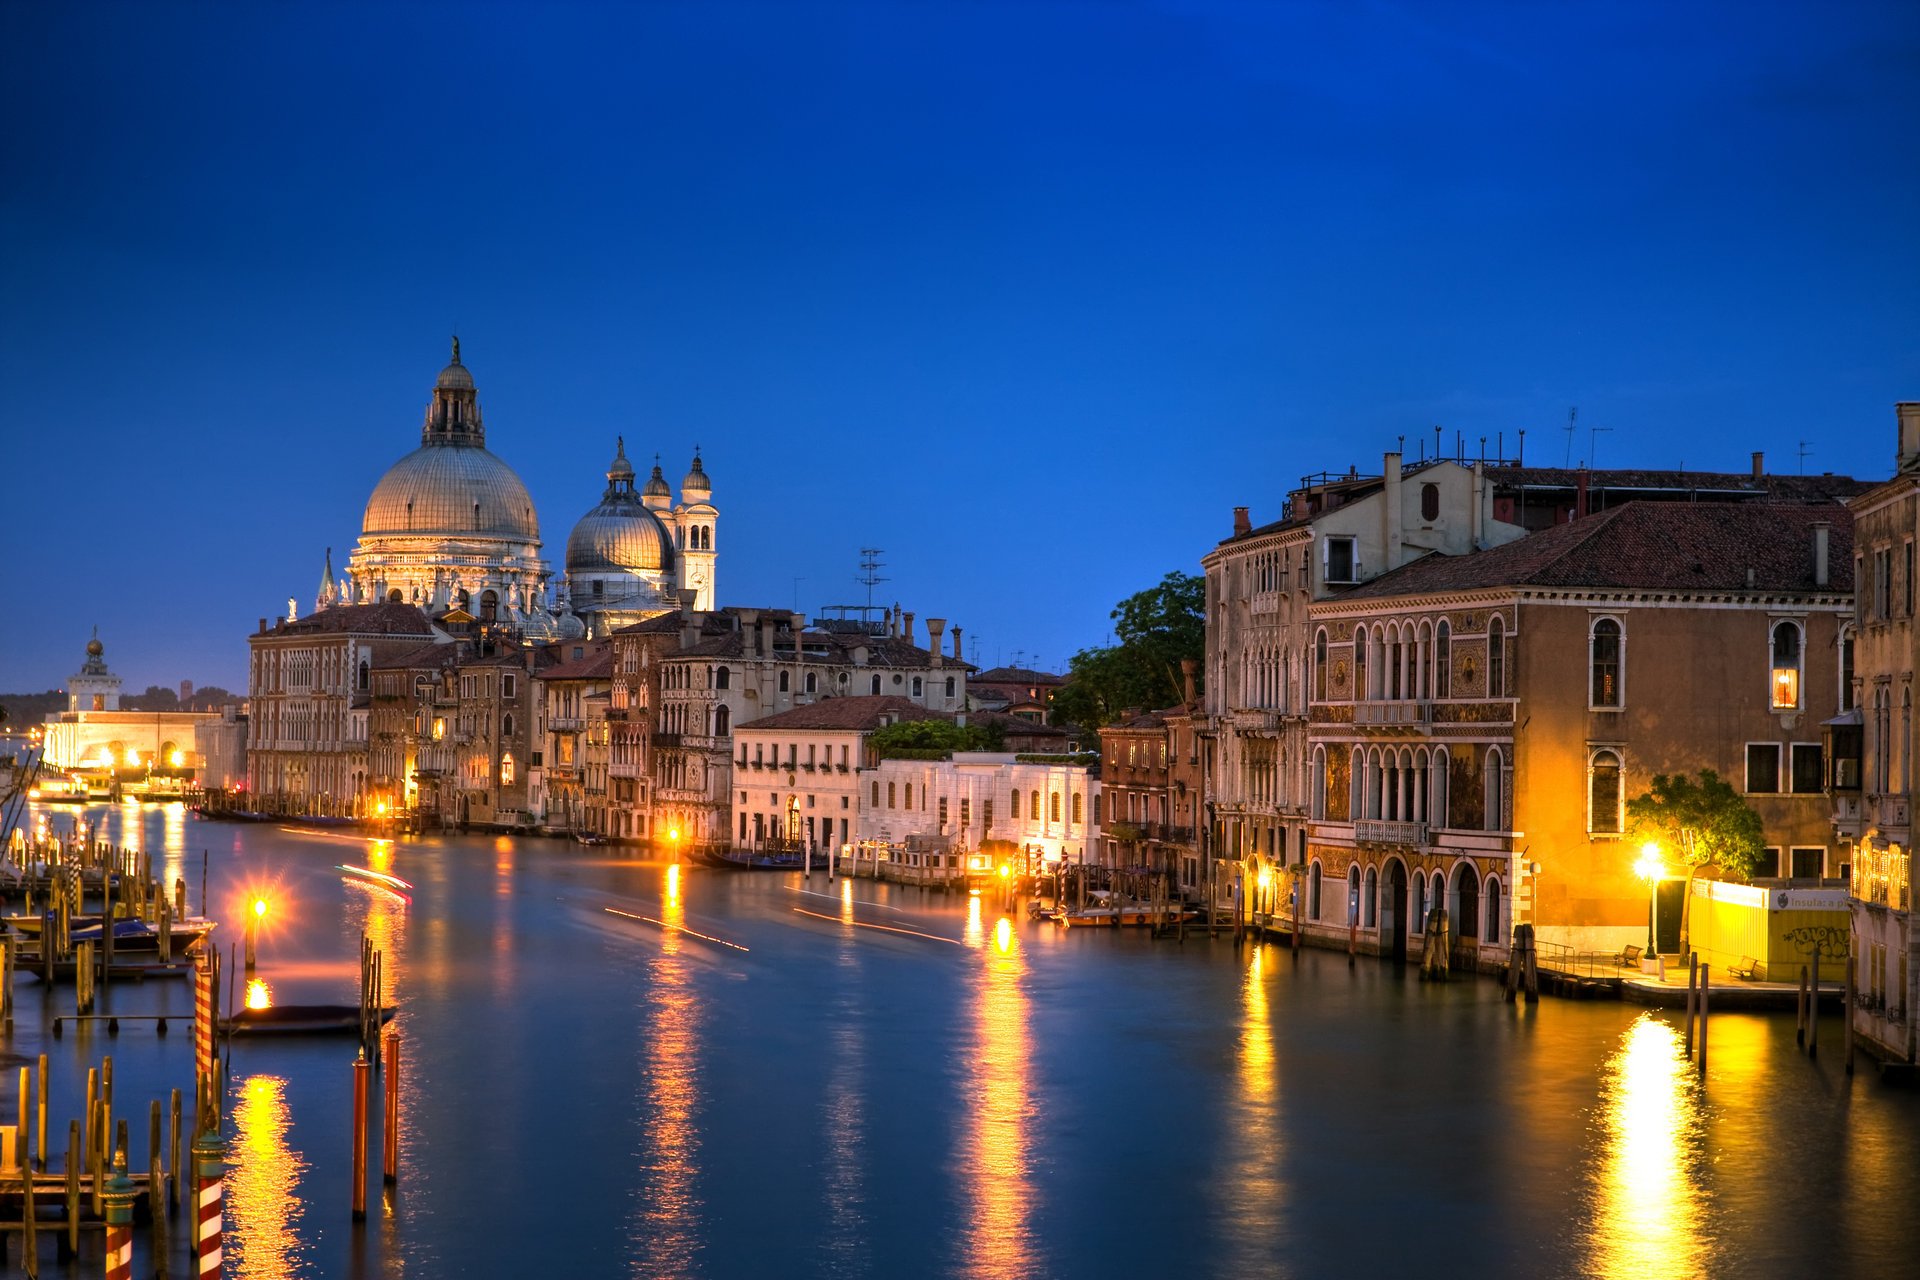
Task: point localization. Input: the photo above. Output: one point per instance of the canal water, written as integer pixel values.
(615, 1067)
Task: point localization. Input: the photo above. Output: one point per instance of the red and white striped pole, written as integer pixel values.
(205, 1012)
(118, 1197)
(209, 1169)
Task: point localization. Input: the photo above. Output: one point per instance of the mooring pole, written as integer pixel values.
(361, 1069)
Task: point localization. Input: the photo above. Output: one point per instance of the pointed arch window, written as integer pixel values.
(1496, 658)
(1359, 664)
(1443, 660)
(1320, 665)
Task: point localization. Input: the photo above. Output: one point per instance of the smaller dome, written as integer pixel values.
(620, 469)
(656, 484)
(455, 376)
(696, 481)
(95, 648)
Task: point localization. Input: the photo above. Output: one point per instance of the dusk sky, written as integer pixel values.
(1030, 296)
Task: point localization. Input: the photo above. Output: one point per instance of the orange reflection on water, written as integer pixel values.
(262, 1185)
(975, 932)
(666, 1204)
(1649, 1203)
(997, 1240)
(848, 1243)
(382, 917)
(1253, 1194)
(259, 995)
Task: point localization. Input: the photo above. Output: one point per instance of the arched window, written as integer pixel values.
(949, 686)
(1033, 806)
(723, 678)
(786, 681)
(916, 686)
(722, 718)
(1492, 911)
(1438, 802)
(1786, 665)
(1466, 903)
(1429, 502)
(1603, 793)
(489, 605)
(876, 682)
(394, 597)
(506, 725)
(1076, 809)
(1313, 890)
(1495, 792)
(1360, 642)
(1320, 665)
(1442, 660)
(1496, 658)
(1014, 809)
(1606, 647)
(1319, 802)
(1053, 806)
(1369, 901)
(1417, 896)
(364, 675)
(506, 769)
(1353, 894)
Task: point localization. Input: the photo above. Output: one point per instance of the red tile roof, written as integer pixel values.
(383, 619)
(595, 664)
(864, 712)
(1659, 546)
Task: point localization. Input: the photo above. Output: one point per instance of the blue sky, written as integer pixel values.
(1028, 295)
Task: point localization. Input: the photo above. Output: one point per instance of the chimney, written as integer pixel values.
(279, 621)
(1580, 496)
(1908, 412)
(1759, 464)
(956, 645)
(1820, 531)
(1241, 522)
(1390, 510)
(859, 655)
(263, 626)
(907, 620)
(1188, 667)
(766, 636)
(798, 622)
(749, 627)
(936, 627)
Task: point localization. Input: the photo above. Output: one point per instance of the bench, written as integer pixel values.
(1746, 969)
(1628, 957)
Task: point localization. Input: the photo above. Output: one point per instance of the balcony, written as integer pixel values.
(627, 769)
(565, 724)
(1257, 719)
(1378, 831)
(1881, 878)
(1892, 813)
(666, 740)
(1406, 713)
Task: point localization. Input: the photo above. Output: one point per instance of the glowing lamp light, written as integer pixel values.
(1266, 876)
(177, 759)
(1649, 867)
(1005, 871)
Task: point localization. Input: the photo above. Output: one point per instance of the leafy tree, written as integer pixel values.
(1153, 629)
(922, 739)
(1703, 822)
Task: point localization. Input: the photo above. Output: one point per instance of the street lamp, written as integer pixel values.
(1650, 870)
(254, 917)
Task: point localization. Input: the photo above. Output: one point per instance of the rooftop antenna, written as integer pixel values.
(1436, 442)
(1593, 445)
(1520, 457)
(1804, 451)
(1572, 413)
(869, 575)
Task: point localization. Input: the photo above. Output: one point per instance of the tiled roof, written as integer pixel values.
(1016, 726)
(436, 654)
(595, 664)
(867, 712)
(1017, 675)
(1661, 546)
(1785, 488)
(884, 652)
(385, 618)
(1144, 721)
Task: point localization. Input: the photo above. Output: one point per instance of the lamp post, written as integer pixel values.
(1649, 868)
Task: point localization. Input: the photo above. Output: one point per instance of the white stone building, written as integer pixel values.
(797, 773)
(940, 820)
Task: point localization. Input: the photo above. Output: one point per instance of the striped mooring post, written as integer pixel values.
(119, 1198)
(205, 1013)
(209, 1168)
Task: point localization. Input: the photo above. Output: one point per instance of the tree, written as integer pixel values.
(931, 739)
(1155, 629)
(1703, 822)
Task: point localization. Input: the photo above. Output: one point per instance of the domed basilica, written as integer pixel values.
(450, 526)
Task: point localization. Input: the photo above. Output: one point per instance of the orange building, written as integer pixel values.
(1478, 722)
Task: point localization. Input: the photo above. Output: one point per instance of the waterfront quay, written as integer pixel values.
(617, 1066)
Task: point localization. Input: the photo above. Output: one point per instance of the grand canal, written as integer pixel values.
(618, 1067)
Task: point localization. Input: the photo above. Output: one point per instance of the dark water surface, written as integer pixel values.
(598, 1084)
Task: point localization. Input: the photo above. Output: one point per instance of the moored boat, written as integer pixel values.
(300, 1020)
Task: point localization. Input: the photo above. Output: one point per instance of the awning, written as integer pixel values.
(1846, 718)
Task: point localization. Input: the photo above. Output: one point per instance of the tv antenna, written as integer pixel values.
(1804, 451)
(1593, 445)
(869, 575)
(1572, 414)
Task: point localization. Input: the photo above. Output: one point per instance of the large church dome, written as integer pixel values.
(620, 535)
(452, 489)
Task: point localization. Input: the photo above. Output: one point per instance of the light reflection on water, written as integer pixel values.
(666, 1208)
(1253, 1193)
(997, 1188)
(848, 1251)
(1649, 1204)
(264, 1207)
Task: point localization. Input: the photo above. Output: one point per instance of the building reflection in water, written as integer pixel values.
(1648, 1203)
(263, 1206)
(173, 846)
(666, 1206)
(1251, 1200)
(381, 915)
(995, 1164)
(847, 1245)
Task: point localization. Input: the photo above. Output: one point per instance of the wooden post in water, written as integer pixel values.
(40, 1140)
(390, 1135)
(1847, 1023)
(156, 1210)
(1693, 995)
(173, 1153)
(29, 1226)
(1813, 1011)
(1706, 987)
(1800, 1020)
(70, 1238)
(361, 1067)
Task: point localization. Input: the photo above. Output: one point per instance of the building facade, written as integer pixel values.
(947, 820)
(797, 773)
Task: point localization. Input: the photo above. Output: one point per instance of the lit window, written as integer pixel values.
(1786, 666)
(1604, 653)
